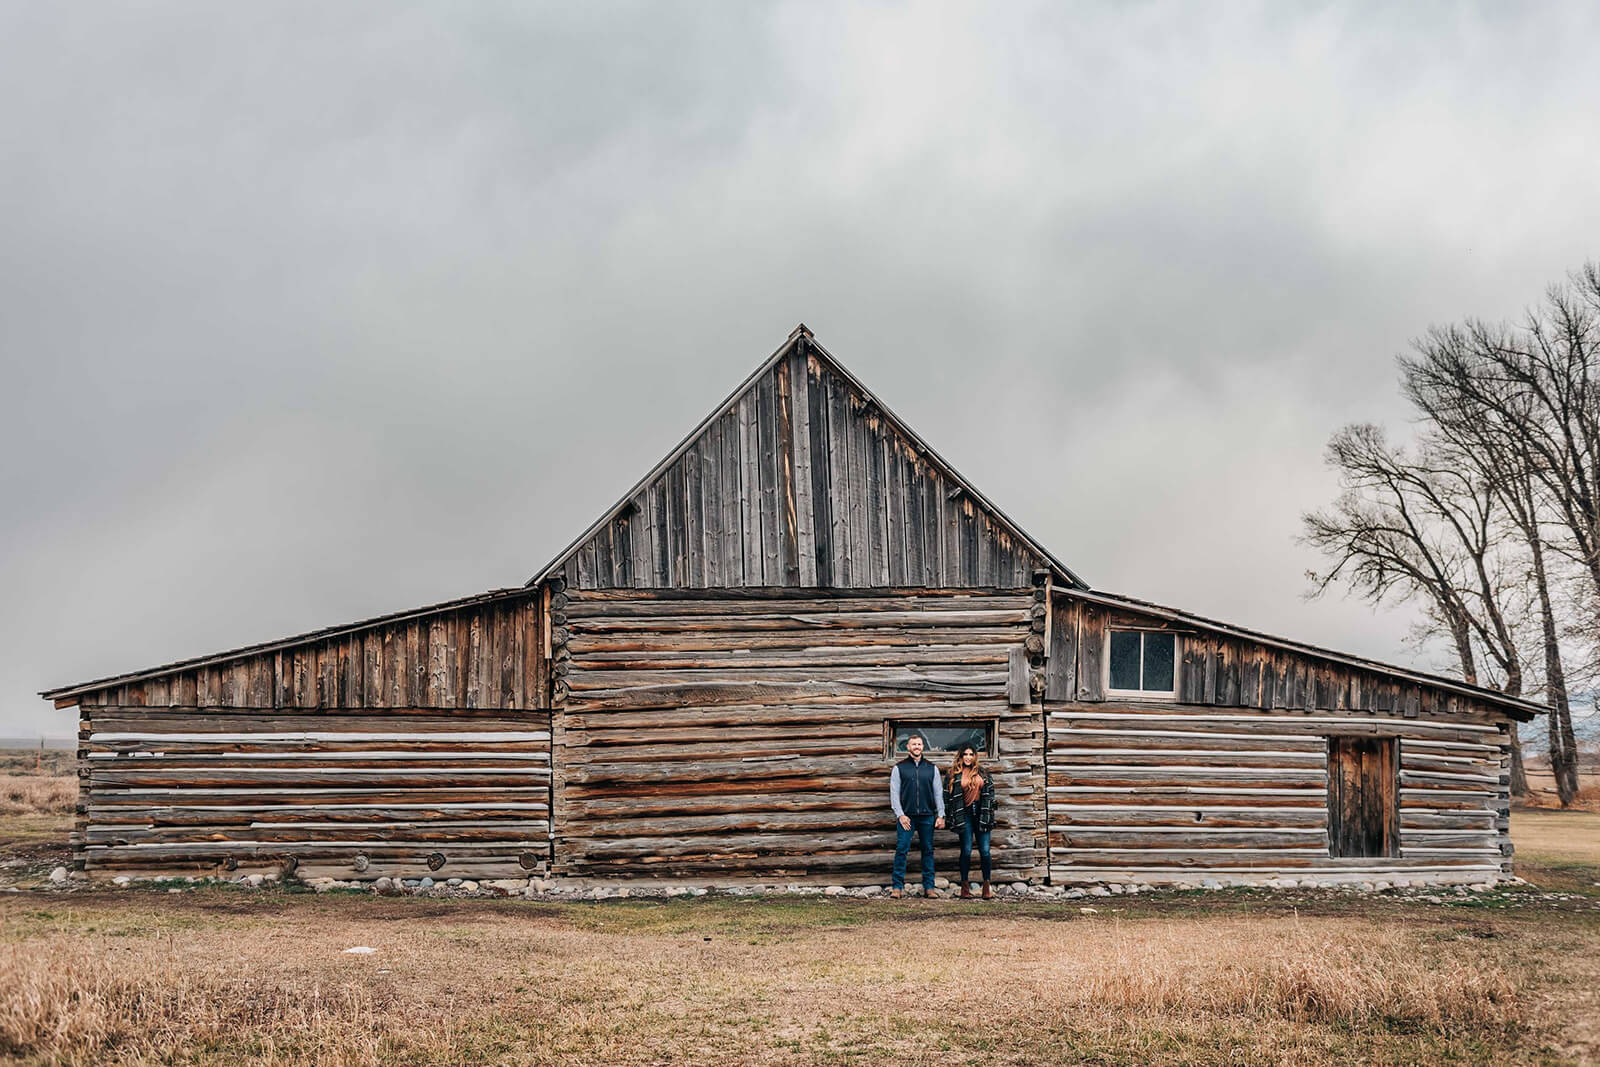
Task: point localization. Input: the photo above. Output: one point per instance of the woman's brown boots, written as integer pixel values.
(966, 891)
(988, 894)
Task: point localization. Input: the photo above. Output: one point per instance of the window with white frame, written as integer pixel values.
(1143, 662)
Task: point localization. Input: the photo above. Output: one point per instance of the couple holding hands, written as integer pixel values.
(920, 802)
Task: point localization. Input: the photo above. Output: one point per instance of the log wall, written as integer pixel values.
(1142, 792)
(1230, 775)
(354, 753)
(743, 735)
(801, 481)
(198, 790)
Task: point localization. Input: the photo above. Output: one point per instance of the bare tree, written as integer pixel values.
(1491, 396)
(1425, 528)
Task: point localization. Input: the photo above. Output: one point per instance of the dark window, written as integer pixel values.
(1160, 654)
(1125, 657)
(1363, 791)
(944, 736)
(1143, 661)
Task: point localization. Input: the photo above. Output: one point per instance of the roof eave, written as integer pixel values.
(64, 696)
(1519, 708)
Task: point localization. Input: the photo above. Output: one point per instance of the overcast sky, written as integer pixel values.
(314, 312)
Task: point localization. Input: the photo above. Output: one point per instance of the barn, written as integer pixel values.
(713, 681)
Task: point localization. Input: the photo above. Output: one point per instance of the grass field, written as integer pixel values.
(224, 975)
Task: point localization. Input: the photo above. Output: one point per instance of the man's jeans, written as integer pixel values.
(922, 827)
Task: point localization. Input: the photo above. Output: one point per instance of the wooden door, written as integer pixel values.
(1363, 796)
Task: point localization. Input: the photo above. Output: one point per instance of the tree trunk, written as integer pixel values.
(1462, 633)
(1519, 772)
(1563, 747)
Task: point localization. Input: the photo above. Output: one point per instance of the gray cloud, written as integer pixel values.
(312, 312)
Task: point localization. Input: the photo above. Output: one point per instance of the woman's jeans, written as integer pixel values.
(969, 832)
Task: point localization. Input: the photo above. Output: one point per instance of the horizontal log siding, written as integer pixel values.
(741, 736)
(1171, 792)
(489, 655)
(184, 790)
(801, 482)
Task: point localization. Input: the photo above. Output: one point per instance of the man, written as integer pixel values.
(918, 803)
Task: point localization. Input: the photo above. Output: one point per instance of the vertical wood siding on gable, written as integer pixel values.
(802, 483)
(1225, 671)
(482, 656)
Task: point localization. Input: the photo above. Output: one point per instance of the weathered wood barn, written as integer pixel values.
(713, 680)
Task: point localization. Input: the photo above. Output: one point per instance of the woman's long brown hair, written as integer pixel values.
(977, 761)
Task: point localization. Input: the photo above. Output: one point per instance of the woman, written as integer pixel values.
(969, 806)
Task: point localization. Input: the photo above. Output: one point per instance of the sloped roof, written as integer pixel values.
(803, 339)
(326, 633)
(1519, 707)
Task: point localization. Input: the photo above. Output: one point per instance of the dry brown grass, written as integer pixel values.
(32, 794)
(1542, 786)
(85, 1007)
(1350, 977)
(1558, 849)
(204, 978)
(49, 761)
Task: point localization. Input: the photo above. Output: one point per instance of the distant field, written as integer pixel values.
(1543, 787)
(1558, 849)
(37, 796)
(32, 744)
(36, 761)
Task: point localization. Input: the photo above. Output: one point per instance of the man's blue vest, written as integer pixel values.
(916, 788)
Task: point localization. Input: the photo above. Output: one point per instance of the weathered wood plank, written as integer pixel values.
(1017, 677)
(749, 491)
(784, 470)
(820, 464)
(837, 422)
(693, 520)
(642, 563)
(712, 489)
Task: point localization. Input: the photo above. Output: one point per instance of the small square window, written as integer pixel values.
(945, 736)
(1142, 661)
